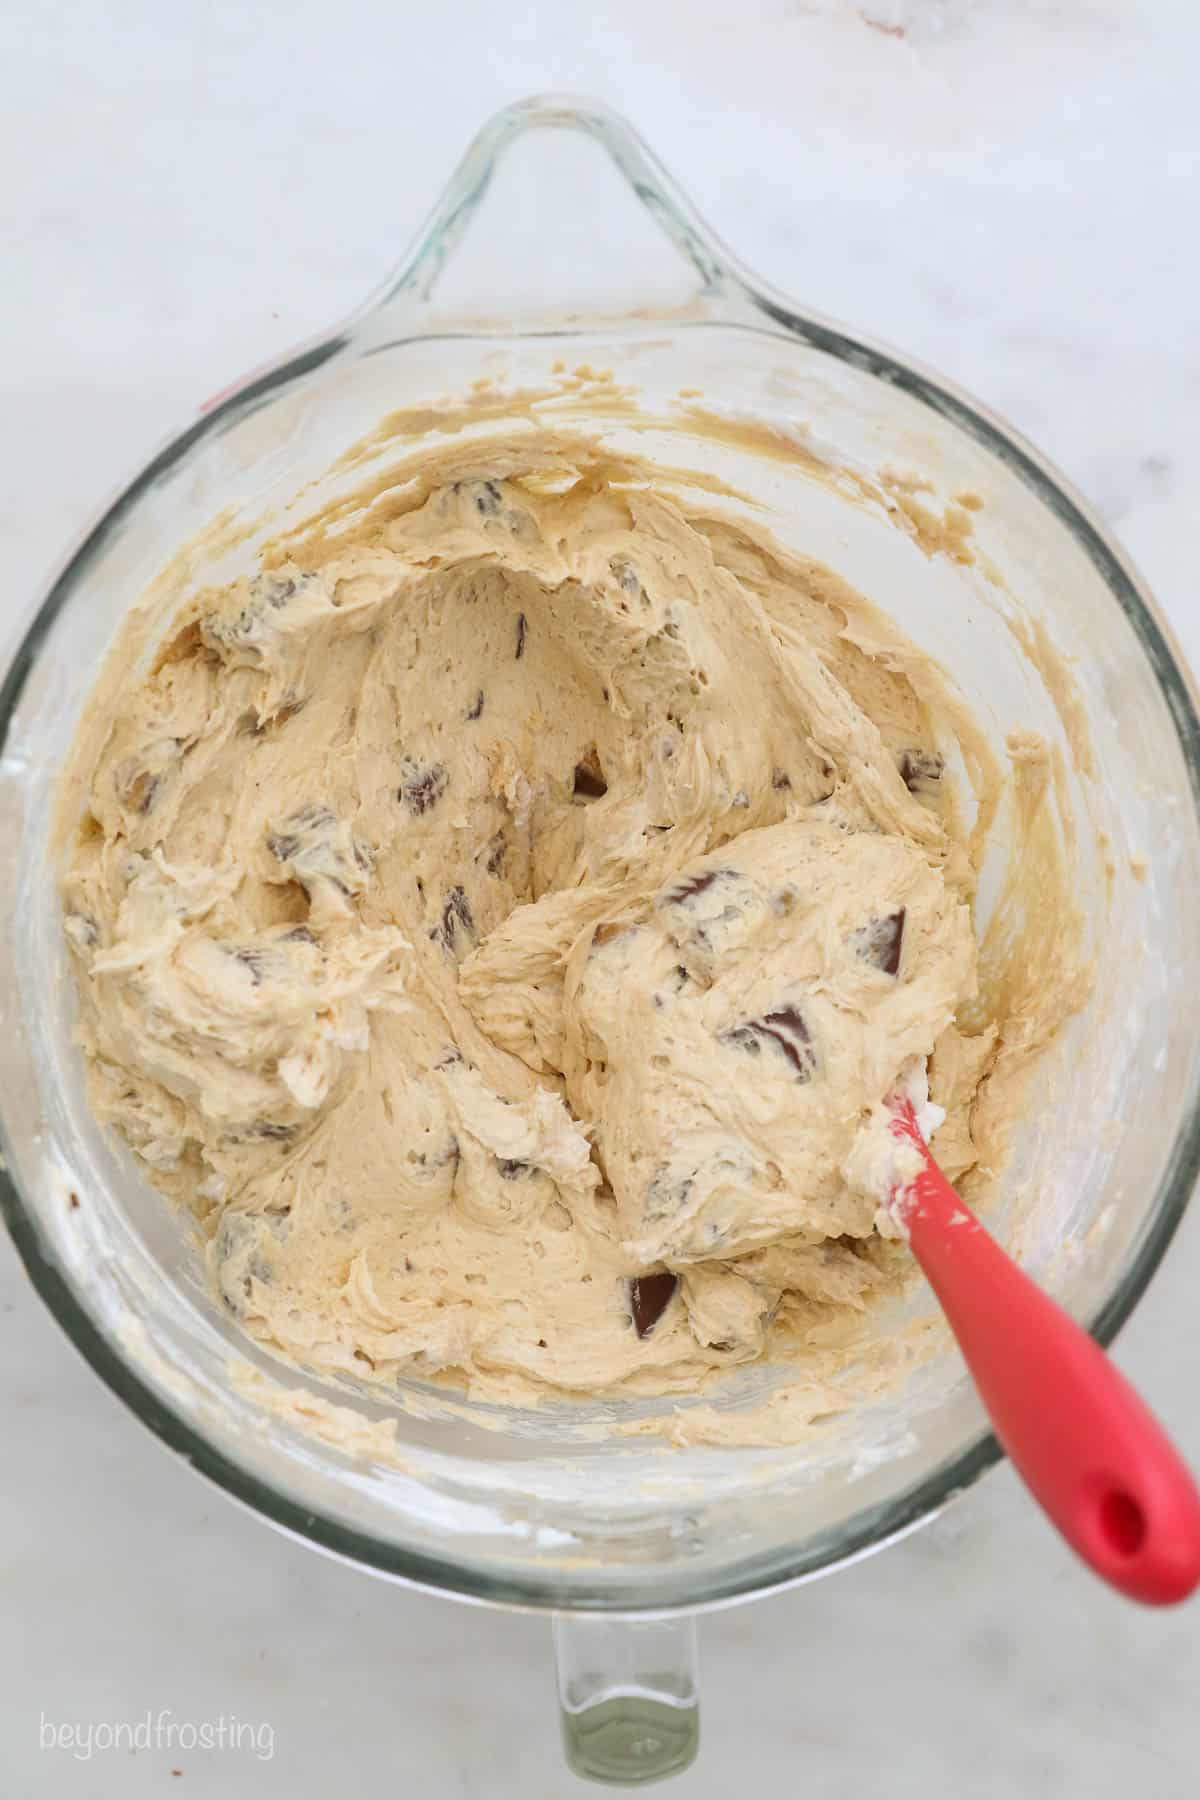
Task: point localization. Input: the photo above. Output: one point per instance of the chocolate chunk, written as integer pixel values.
(424, 1165)
(485, 495)
(457, 920)
(497, 851)
(780, 780)
(668, 1193)
(250, 958)
(138, 791)
(879, 941)
(690, 885)
(476, 706)
(919, 769)
(512, 1169)
(522, 628)
(649, 1297)
(82, 929)
(309, 824)
(673, 986)
(786, 1029)
(589, 782)
(276, 590)
(625, 575)
(422, 787)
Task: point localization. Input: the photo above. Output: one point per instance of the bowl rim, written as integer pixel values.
(736, 300)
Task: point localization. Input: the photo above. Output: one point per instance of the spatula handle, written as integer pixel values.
(1088, 1449)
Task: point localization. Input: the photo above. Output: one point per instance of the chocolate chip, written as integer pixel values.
(82, 929)
(786, 1029)
(522, 628)
(780, 780)
(690, 885)
(667, 1193)
(277, 590)
(879, 941)
(485, 495)
(512, 1169)
(299, 934)
(268, 1128)
(422, 787)
(310, 823)
(476, 706)
(138, 791)
(625, 575)
(649, 1297)
(589, 782)
(673, 986)
(497, 851)
(457, 920)
(250, 958)
(920, 768)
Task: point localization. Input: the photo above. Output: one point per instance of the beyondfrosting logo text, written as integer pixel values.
(160, 1730)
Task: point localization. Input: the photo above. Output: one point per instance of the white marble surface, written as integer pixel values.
(1007, 189)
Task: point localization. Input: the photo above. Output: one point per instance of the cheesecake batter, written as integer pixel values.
(501, 917)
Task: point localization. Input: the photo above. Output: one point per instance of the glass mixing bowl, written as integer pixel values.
(624, 1537)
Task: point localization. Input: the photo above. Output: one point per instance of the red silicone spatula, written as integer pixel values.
(1092, 1455)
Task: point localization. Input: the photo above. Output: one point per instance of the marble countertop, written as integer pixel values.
(1004, 188)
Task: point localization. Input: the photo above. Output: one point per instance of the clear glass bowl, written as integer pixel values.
(535, 1508)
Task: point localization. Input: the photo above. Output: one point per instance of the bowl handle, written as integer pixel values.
(628, 1696)
(415, 277)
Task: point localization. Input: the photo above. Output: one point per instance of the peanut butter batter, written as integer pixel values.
(501, 919)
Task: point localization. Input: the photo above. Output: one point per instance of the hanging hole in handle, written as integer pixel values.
(556, 200)
(1122, 1522)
